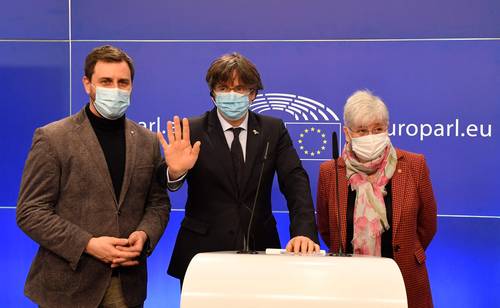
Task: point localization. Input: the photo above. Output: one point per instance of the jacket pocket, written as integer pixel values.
(195, 225)
(420, 255)
(58, 275)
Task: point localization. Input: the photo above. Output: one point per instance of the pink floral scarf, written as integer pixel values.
(368, 180)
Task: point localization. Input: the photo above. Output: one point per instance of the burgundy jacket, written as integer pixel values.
(414, 218)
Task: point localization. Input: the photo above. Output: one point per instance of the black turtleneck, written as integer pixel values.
(111, 136)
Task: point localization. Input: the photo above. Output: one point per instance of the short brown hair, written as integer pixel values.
(223, 68)
(106, 53)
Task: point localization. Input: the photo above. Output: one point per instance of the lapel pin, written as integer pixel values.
(132, 132)
(255, 132)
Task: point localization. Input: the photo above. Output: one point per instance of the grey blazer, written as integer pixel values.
(67, 197)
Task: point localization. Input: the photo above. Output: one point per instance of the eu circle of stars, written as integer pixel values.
(312, 141)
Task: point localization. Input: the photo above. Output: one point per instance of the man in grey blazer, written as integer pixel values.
(88, 197)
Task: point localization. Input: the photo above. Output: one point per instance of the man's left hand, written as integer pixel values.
(136, 242)
(302, 244)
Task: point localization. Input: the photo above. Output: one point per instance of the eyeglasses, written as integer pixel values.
(237, 89)
(364, 131)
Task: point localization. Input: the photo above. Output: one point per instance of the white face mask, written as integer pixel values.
(369, 147)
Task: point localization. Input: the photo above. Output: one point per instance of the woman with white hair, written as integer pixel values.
(386, 203)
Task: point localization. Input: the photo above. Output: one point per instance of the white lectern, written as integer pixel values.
(230, 280)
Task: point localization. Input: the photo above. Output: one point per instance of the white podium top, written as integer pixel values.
(230, 280)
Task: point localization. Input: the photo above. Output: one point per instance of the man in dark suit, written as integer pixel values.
(229, 144)
(90, 199)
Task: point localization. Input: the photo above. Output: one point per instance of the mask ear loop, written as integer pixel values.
(92, 99)
(348, 140)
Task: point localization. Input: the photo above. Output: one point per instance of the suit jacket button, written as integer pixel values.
(119, 212)
(396, 248)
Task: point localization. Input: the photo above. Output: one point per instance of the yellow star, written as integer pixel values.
(323, 148)
(312, 153)
(300, 141)
(312, 129)
(318, 152)
(324, 141)
(306, 130)
(301, 147)
(322, 135)
(319, 130)
(306, 152)
(301, 135)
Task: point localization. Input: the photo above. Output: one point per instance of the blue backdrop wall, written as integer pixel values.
(435, 63)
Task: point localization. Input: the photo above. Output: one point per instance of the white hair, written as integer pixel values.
(363, 108)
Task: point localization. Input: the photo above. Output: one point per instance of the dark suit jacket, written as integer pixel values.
(217, 213)
(67, 197)
(413, 224)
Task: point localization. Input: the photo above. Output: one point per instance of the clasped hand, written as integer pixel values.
(118, 251)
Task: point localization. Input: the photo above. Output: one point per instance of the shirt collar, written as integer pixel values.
(225, 124)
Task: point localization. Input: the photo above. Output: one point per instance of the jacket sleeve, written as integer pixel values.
(36, 211)
(157, 210)
(427, 214)
(165, 182)
(322, 204)
(294, 184)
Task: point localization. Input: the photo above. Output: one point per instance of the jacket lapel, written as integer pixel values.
(398, 192)
(86, 136)
(130, 148)
(254, 151)
(220, 149)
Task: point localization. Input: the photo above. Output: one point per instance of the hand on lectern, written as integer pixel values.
(302, 244)
(180, 156)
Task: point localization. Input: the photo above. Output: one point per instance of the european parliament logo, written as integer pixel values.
(309, 122)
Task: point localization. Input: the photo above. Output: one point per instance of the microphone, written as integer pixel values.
(246, 240)
(335, 155)
(335, 146)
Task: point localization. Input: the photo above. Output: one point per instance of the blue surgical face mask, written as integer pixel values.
(232, 105)
(111, 103)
